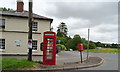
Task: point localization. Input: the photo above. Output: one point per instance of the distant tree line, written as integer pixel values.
(5, 9)
(71, 43)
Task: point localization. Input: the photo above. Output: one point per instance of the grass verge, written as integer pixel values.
(15, 64)
(104, 50)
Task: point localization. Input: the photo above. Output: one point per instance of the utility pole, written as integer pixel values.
(88, 44)
(30, 32)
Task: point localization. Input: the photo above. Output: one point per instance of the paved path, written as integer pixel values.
(69, 56)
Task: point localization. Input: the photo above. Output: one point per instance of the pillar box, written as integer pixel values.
(80, 47)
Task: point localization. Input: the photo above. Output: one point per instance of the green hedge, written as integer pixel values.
(62, 46)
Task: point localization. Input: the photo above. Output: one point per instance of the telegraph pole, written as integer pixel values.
(88, 44)
(30, 32)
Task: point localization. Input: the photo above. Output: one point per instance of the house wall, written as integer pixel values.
(21, 24)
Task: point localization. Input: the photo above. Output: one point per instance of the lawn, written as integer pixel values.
(16, 64)
(105, 50)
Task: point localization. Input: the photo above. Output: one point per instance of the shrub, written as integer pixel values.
(62, 46)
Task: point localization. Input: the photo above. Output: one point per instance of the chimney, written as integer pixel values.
(20, 6)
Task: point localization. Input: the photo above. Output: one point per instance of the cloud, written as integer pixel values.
(79, 15)
(107, 28)
(8, 3)
(101, 17)
(96, 12)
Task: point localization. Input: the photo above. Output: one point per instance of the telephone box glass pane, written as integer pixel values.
(49, 43)
(49, 49)
(49, 57)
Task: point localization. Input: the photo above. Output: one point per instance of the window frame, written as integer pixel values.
(35, 26)
(34, 44)
(2, 44)
(2, 23)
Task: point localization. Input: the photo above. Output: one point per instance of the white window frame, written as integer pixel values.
(35, 26)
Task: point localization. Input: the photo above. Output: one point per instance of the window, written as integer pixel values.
(2, 23)
(34, 26)
(34, 44)
(2, 43)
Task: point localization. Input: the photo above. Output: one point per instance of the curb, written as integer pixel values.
(75, 67)
(94, 65)
(59, 69)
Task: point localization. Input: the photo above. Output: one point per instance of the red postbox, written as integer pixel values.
(49, 48)
(80, 47)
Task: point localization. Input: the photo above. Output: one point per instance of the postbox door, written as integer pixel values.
(80, 47)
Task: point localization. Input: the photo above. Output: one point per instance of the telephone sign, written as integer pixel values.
(49, 48)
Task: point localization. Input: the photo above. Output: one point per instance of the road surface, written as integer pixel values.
(110, 59)
(110, 63)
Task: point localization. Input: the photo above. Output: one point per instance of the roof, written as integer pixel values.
(24, 14)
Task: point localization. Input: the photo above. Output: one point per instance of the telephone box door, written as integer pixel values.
(49, 48)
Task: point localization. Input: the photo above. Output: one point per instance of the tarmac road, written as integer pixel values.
(111, 60)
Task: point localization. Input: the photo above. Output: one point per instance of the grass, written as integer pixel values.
(38, 61)
(105, 50)
(15, 64)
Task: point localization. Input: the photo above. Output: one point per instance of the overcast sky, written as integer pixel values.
(101, 16)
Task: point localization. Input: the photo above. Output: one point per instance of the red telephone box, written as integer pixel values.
(49, 48)
(80, 47)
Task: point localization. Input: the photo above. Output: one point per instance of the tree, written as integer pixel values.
(99, 44)
(5, 9)
(69, 44)
(76, 40)
(85, 45)
(92, 45)
(114, 45)
(62, 30)
(62, 40)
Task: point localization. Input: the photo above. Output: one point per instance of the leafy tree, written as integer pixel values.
(99, 44)
(69, 44)
(76, 40)
(5, 9)
(85, 45)
(63, 40)
(114, 45)
(68, 38)
(92, 45)
(108, 45)
(62, 30)
(84, 40)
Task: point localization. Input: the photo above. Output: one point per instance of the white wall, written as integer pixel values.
(21, 24)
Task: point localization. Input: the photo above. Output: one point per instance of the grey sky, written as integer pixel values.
(101, 17)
